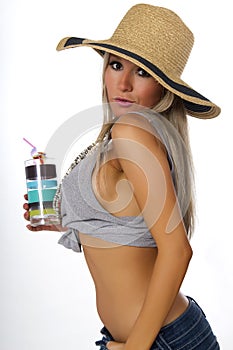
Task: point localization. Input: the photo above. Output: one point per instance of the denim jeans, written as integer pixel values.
(189, 331)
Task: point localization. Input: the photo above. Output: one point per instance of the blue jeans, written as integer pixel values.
(189, 331)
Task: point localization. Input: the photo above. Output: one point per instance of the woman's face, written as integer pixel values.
(128, 85)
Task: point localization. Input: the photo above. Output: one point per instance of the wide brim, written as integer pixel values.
(195, 104)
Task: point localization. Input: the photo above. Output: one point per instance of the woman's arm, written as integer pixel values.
(144, 162)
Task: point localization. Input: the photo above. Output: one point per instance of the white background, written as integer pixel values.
(47, 297)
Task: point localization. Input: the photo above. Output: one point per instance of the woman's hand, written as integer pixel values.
(113, 345)
(40, 227)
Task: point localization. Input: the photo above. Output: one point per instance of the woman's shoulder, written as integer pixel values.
(132, 120)
(138, 127)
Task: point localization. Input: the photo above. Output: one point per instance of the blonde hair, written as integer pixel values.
(171, 107)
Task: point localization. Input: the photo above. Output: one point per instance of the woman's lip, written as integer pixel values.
(123, 101)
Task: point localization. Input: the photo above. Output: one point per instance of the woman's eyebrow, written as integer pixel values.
(115, 57)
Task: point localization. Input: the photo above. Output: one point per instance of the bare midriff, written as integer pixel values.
(121, 275)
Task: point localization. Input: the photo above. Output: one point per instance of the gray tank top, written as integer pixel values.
(82, 212)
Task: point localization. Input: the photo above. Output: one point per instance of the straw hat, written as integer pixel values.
(157, 40)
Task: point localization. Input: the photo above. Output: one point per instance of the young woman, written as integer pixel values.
(129, 202)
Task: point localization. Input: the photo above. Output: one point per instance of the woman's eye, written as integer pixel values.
(115, 65)
(143, 73)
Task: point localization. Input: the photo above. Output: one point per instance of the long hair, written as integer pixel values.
(172, 109)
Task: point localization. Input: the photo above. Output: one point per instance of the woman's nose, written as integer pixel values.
(126, 81)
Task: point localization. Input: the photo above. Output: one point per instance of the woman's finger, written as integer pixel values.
(26, 215)
(113, 345)
(26, 206)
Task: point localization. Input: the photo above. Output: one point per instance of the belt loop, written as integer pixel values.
(161, 343)
(194, 301)
(105, 339)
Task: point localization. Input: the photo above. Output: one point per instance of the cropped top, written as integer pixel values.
(82, 212)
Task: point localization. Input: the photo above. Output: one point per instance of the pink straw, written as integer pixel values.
(34, 150)
(28, 142)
